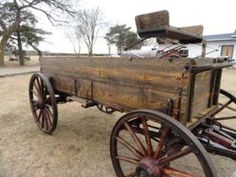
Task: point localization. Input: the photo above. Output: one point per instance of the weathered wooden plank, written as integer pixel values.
(147, 81)
(151, 64)
(197, 30)
(201, 92)
(135, 74)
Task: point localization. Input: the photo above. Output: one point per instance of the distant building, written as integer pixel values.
(217, 45)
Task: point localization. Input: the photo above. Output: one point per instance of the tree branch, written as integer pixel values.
(35, 48)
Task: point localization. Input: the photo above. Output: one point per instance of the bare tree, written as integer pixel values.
(89, 23)
(75, 38)
(11, 16)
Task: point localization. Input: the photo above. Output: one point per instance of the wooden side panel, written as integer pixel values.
(201, 92)
(119, 82)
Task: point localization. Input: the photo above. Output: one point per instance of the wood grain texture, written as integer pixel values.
(126, 84)
(201, 92)
(119, 82)
(152, 21)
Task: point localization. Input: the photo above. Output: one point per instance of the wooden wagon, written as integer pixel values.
(172, 103)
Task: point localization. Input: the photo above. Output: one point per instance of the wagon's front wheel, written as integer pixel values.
(43, 103)
(148, 143)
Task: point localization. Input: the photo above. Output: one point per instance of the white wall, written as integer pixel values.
(195, 50)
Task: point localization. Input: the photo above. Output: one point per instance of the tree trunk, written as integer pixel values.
(2, 54)
(20, 51)
(79, 49)
(109, 49)
(3, 44)
(90, 52)
(119, 49)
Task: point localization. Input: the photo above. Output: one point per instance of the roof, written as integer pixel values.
(221, 37)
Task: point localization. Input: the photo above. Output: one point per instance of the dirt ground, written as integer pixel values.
(78, 148)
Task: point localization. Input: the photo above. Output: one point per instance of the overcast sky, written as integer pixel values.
(218, 16)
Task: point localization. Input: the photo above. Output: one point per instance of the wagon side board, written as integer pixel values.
(127, 84)
(121, 83)
(203, 93)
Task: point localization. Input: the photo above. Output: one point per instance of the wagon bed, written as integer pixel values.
(124, 85)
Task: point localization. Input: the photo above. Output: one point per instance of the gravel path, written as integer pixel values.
(78, 148)
(12, 71)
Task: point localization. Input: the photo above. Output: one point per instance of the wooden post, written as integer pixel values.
(203, 56)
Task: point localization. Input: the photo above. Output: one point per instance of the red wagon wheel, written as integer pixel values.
(43, 103)
(105, 109)
(148, 143)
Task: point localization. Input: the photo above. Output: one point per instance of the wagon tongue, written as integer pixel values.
(148, 168)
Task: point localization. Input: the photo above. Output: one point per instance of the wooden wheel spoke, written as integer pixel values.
(225, 118)
(40, 114)
(49, 116)
(231, 108)
(36, 93)
(135, 138)
(35, 84)
(35, 103)
(223, 106)
(176, 173)
(147, 136)
(163, 137)
(49, 111)
(43, 119)
(129, 146)
(38, 85)
(128, 159)
(176, 155)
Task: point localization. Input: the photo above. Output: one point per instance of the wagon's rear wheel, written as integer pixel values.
(43, 103)
(148, 143)
(105, 109)
(225, 116)
(227, 109)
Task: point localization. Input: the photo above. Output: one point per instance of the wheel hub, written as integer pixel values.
(148, 168)
(40, 103)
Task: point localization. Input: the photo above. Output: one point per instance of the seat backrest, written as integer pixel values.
(157, 25)
(152, 21)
